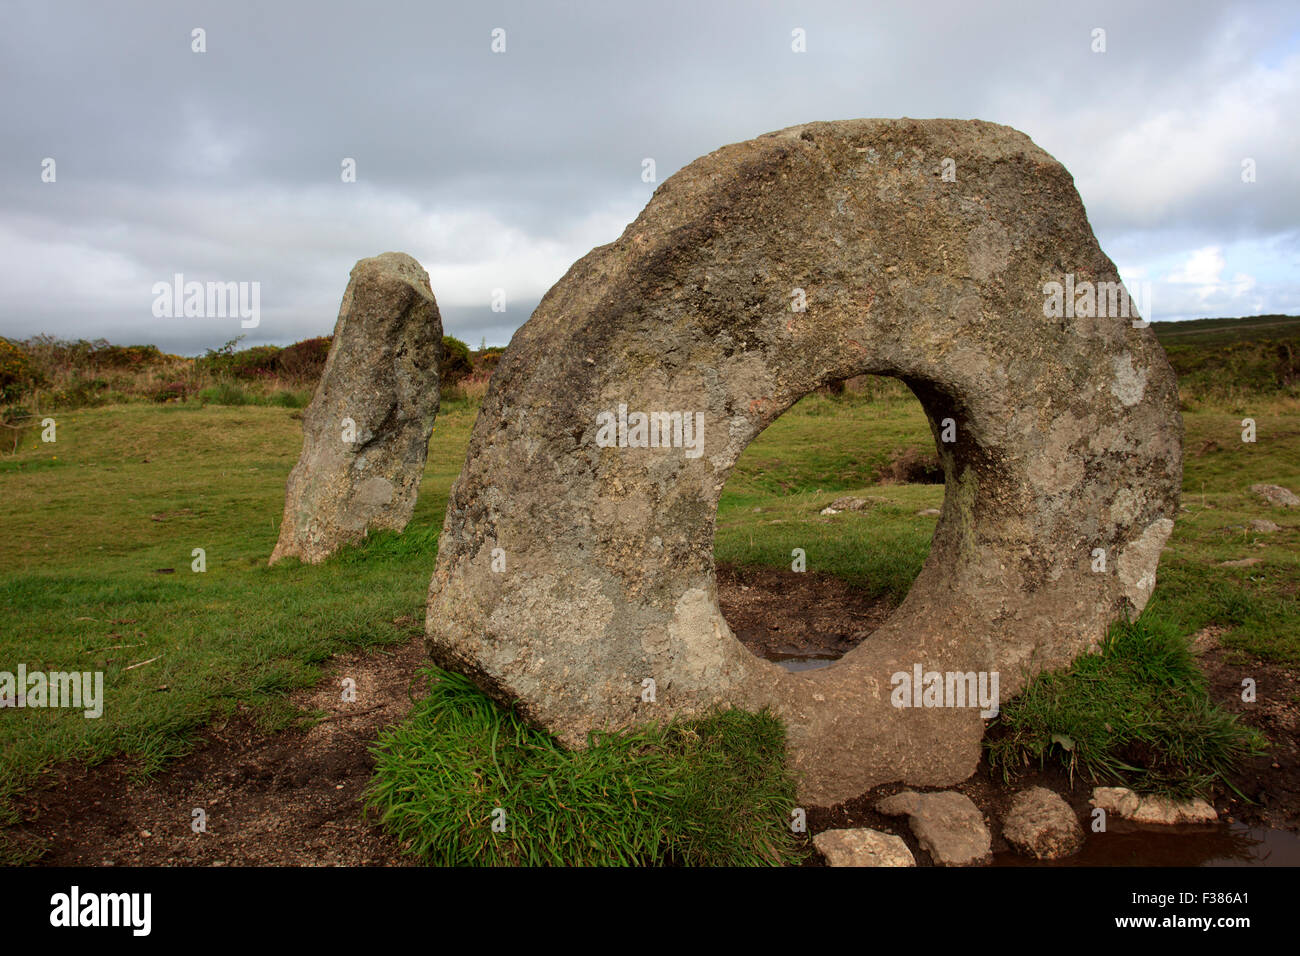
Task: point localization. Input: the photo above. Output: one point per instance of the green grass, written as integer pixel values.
(125, 492)
(1207, 332)
(815, 452)
(1136, 712)
(87, 524)
(1260, 605)
(709, 792)
(232, 393)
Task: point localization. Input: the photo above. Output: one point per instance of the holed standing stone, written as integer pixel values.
(576, 560)
(366, 431)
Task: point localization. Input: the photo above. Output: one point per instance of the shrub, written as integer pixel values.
(81, 393)
(260, 361)
(131, 357)
(485, 363)
(171, 392)
(225, 393)
(16, 372)
(304, 361)
(455, 362)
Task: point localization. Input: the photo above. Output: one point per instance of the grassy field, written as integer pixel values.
(93, 521)
(97, 532)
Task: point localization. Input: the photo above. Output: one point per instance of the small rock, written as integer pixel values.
(1276, 495)
(847, 503)
(948, 825)
(1243, 563)
(1042, 825)
(1264, 526)
(928, 511)
(863, 848)
(1154, 809)
(1120, 801)
(1205, 640)
(1151, 808)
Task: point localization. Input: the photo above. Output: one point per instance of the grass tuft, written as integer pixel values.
(1136, 713)
(708, 792)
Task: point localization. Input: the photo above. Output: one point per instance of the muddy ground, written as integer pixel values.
(295, 797)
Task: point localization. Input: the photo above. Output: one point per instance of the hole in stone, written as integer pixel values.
(864, 449)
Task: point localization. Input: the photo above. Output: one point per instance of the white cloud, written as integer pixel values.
(1197, 288)
(1203, 268)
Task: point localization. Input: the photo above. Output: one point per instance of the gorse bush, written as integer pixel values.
(713, 791)
(304, 361)
(456, 363)
(48, 373)
(258, 362)
(16, 372)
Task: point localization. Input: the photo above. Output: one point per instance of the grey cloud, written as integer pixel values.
(227, 163)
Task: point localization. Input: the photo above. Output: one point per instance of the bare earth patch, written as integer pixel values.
(287, 798)
(785, 615)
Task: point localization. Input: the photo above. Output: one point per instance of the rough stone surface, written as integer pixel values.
(863, 848)
(1119, 801)
(1154, 809)
(1277, 495)
(1067, 439)
(1150, 808)
(1043, 825)
(948, 825)
(382, 373)
(849, 503)
(1264, 526)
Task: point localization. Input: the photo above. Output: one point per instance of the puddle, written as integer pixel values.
(1128, 844)
(801, 621)
(801, 660)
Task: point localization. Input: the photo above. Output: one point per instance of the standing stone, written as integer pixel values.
(1041, 824)
(366, 431)
(756, 275)
(948, 825)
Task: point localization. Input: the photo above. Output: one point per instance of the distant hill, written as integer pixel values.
(1214, 358)
(1221, 331)
(1258, 354)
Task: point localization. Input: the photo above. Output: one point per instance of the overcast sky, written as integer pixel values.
(499, 170)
